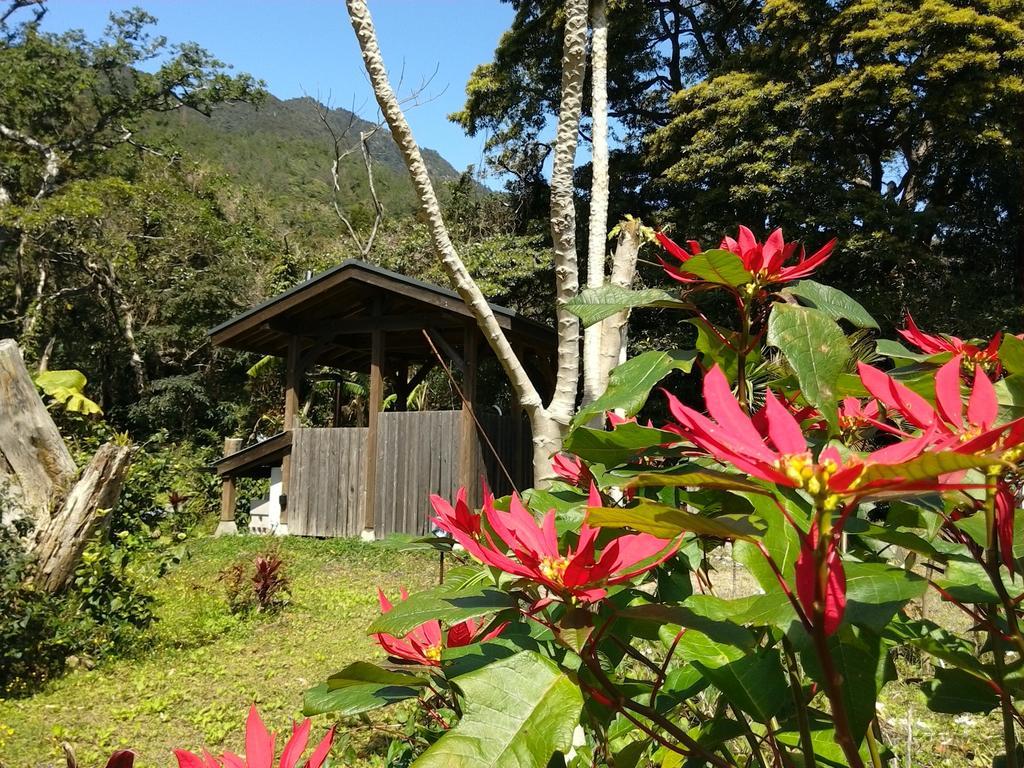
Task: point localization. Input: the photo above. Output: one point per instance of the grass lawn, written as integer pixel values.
(192, 686)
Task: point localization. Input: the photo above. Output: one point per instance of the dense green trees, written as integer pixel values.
(895, 126)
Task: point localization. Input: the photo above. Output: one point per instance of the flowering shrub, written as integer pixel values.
(828, 477)
(259, 749)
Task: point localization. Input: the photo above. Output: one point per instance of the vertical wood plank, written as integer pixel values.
(373, 423)
(468, 440)
(293, 380)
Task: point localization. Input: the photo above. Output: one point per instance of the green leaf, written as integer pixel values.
(875, 592)
(668, 522)
(926, 466)
(832, 302)
(861, 660)
(616, 446)
(363, 672)
(68, 389)
(714, 350)
(593, 305)
(1011, 354)
(718, 266)
(754, 682)
(895, 350)
(954, 691)
(630, 384)
(698, 478)
(518, 711)
(442, 603)
(817, 351)
(354, 699)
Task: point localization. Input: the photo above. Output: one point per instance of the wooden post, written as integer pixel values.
(376, 399)
(468, 442)
(516, 412)
(292, 383)
(227, 493)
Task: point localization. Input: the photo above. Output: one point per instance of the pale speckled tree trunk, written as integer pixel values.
(593, 343)
(549, 422)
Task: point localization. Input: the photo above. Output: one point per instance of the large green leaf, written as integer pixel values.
(694, 476)
(441, 603)
(953, 691)
(630, 384)
(832, 302)
(1011, 354)
(754, 682)
(715, 350)
(616, 446)
(68, 389)
(668, 522)
(875, 592)
(518, 712)
(816, 348)
(926, 466)
(895, 350)
(354, 699)
(718, 266)
(781, 540)
(861, 660)
(595, 304)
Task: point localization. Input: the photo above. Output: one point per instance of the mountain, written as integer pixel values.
(283, 150)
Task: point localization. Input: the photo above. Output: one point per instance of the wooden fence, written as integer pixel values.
(418, 454)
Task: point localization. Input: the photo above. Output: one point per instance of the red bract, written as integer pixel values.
(773, 447)
(1006, 505)
(521, 547)
(967, 431)
(986, 357)
(571, 469)
(259, 749)
(833, 601)
(424, 644)
(764, 261)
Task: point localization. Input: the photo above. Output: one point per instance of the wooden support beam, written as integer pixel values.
(468, 443)
(442, 344)
(373, 425)
(227, 493)
(292, 383)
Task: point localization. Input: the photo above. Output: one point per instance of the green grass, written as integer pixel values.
(192, 684)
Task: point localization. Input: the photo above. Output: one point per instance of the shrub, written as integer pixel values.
(31, 648)
(258, 584)
(819, 470)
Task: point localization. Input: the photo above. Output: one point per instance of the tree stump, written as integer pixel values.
(35, 465)
(85, 511)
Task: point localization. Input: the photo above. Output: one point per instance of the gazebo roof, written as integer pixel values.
(334, 313)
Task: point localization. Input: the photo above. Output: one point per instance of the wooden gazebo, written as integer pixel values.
(375, 480)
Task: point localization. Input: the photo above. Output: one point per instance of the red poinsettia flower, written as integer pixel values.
(968, 431)
(424, 644)
(774, 448)
(986, 357)
(523, 548)
(571, 469)
(833, 601)
(764, 261)
(259, 749)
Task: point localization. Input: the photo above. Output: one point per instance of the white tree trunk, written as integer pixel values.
(563, 211)
(598, 227)
(615, 329)
(547, 423)
(35, 465)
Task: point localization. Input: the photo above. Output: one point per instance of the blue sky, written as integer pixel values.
(307, 46)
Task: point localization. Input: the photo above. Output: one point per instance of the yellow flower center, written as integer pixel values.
(804, 473)
(553, 568)
(433, 653)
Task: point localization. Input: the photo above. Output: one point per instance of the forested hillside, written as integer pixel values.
(283, 149)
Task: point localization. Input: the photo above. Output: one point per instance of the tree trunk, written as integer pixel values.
(598, 227)
(614, 330)
(86, 510)
(550, 423)
(35, 464)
